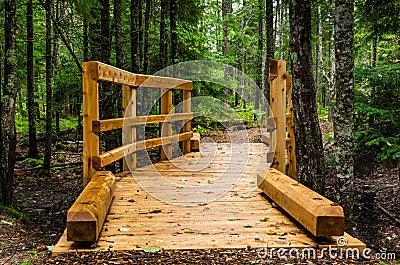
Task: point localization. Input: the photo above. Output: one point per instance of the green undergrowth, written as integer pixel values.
(16, 215)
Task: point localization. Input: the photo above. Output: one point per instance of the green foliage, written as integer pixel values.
(14, 213)
(377, 112)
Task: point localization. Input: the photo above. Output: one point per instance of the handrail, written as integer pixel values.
(118, 123)
(107, 73)
(94, 72)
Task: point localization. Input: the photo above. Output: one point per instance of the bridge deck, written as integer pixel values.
(180, 215)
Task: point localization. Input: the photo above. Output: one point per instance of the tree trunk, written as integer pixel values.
(146, 37)
(7, 109)
(49, 91)
(56, 57)
(119, 41)
(343, 118)
(309, 149)
(373, 65)
(85, 40)
(174, 33)
(134, 32)
(33, 150)
(163, 36)
(259, 80)
(225, 47)
(107, 110)
(140, 29)
(270, 43)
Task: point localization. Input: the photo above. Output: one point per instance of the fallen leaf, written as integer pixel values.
(231, 219)
(271, 232)
(131, 200)
(245, 197)
(50, 247)
(6, 222)
(296, 184)
(264, 219)
(155, 211)
(247, 226)
(151, 250)
(188, 231)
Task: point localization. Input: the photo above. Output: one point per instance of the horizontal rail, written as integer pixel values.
(118, 123)
(103, 72)
(118, 153)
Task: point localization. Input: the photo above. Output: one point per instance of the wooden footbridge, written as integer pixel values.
(214, 195)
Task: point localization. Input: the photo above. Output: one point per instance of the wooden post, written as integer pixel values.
(277, 77)
(186, 97)
(129, 104)
(290, 147)
(90, 113)
(166, 127)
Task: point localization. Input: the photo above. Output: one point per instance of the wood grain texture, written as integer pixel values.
(107, 73)
(320, 216)
(90, 113)
(242, 217)
(278, 108)
(113, 155)
(86, 216)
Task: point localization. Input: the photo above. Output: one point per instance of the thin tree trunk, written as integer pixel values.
(270, 43)
(7, 108)
(107, 109)
(163, 35)
(225, 47)
(118, 35)
(33, 150)
(174, 33)
(134, 32)
(344, 119)
(146, 37)
(140, 28)
(85, 40)
(259, 58)
(120, 63)
(49, 91)
(373, 64)
(309, 149)
(56, 56)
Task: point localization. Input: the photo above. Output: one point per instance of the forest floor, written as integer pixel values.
(45, 202)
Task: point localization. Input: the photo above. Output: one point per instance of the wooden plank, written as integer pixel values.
(129, 134)
(103, 72)
(166, 127)
(118, 123)
(187, 127)
(90, 113)
(291, 146)
(195, 142)
(118, 153)
(278, 108)
(86, 216)
(317, 214)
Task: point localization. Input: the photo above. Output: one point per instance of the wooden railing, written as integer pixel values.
(94, 72)
(282, 135)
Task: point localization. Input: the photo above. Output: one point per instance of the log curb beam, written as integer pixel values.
(86, 216)
(320, 216)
